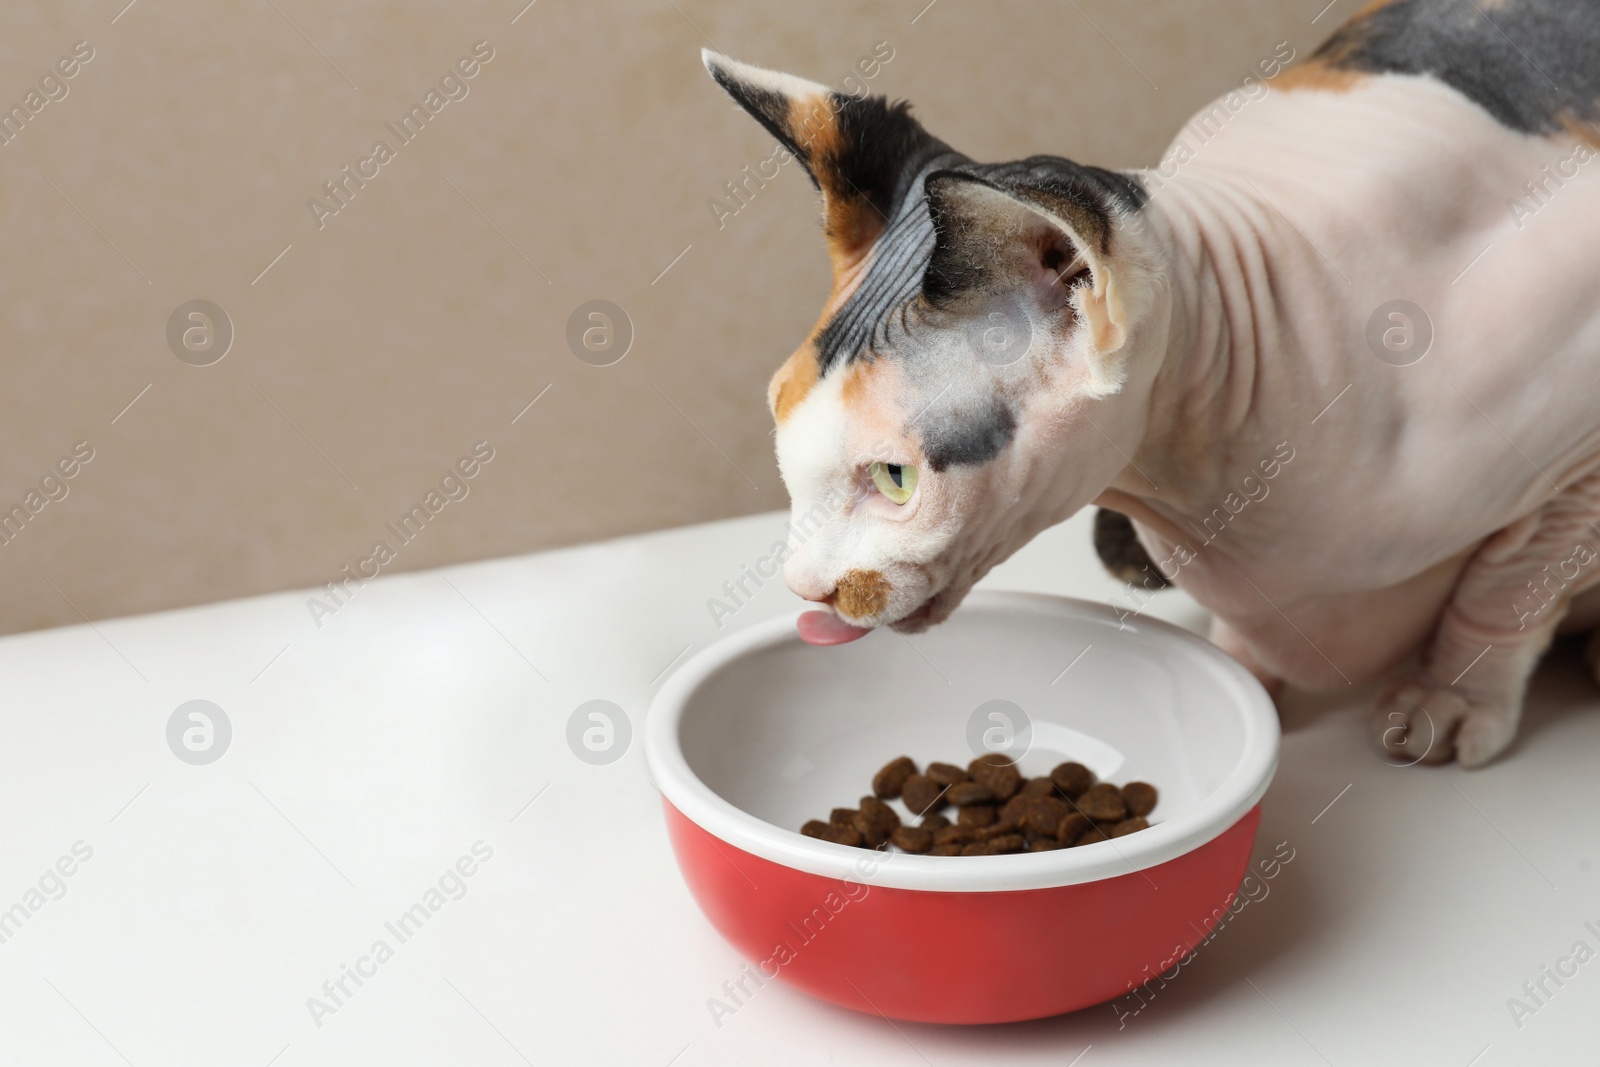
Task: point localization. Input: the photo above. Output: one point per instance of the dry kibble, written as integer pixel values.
(912, 839)
(922, 794)
(996, 829)
(1045, 814)
(888, 781)
(977, 815)
(1016, 807)
(999, 810)
(1129, 826)
(880, 813)
(1036, 787)
(947, 773)
(964, 793)
(1103, 803)
(1072, 778)
(1072, 827)
(872, 834)
(875, 821)
(996, 846)
(1140, 797)
(997, 772)
(839, 835)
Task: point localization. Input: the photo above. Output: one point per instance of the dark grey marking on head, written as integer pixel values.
(967, 438)
(894, 276)
(1528, 63)
(905, 263)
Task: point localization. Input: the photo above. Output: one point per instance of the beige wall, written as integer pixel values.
(380, 347)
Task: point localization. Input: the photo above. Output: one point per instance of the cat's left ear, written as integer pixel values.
(860, 151)
(1047, 225)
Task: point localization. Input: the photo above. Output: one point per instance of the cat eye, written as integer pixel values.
(897, 481)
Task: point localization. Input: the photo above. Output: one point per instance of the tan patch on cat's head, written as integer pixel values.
(1319, 73)
(853, 222)
(862, 594)
(800, 372)
(793, 381)
(1581, 129)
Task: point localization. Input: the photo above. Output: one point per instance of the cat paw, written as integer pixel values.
(1419, 721)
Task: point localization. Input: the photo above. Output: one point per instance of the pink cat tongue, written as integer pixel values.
(826, 628)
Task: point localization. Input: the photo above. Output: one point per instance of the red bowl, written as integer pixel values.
(760, 732)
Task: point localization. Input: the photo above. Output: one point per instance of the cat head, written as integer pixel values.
(956, 395)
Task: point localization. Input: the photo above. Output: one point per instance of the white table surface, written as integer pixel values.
(369, 755)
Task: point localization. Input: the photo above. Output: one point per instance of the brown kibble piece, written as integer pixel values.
(875, 822)
(1016, 807)
(952, 835)
(1044, 844)
(880, 813)
(888, 781)
(934, 821)
(922, 794)
(1072, 778)
(1140, 797)
(963, 793)
(995, 829)
(952, 849)
(974, 815)
(1036, 787)
(998, 773)
(947, 773)
(996, 846)
(872, 835)
(1044, 815)
(1103, 803)
(1129, 826)
(1095, 834)
(1072, 827)
(839, 835)
(912, 839)
(843, 817)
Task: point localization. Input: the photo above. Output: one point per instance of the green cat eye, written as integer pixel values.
(894, 480)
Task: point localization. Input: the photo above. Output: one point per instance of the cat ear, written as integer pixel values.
(861, 152)
(1046, 224)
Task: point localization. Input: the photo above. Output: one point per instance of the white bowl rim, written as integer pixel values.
(1233, 798)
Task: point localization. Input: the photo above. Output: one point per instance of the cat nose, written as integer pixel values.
(808, 586)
